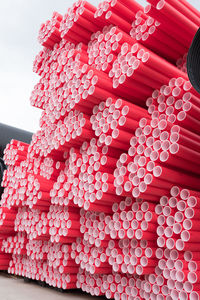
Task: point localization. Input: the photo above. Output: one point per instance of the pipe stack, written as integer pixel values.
(105, 197)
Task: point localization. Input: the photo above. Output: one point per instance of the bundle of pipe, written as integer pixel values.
(92, 283)
(64, 225)
(48, 64)
(15, 244)
(94, 226)
(150, 33)
(157, 142)
(54, 277)
(61, 193)
(49, 168)
(15, 152)
(134, 225)
(131, 256)
(38, 192)
(117, 13)
(115, 118)
(86, 192)
(178, 241)
(92, 259)
(139, 69)
(175, 102)
(78, 23)
(177, 18)
(33, 222)
(70, 131)
(104, 46)
(40, 60)
(93, 188)
(59, 256)
(45, 167)
(14, 182)
(37, 250)
(49, 33)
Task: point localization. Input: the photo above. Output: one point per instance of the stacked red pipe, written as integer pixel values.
(106, 196)
(49, 33)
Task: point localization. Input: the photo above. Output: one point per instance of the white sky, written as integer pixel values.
(19, 24)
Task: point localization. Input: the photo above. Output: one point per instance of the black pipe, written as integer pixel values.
(193, 62)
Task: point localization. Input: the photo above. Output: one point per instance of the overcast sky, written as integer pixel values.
(19, 24)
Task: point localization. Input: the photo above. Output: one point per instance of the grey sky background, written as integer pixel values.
(19, 24)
